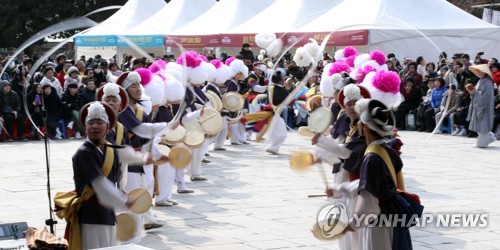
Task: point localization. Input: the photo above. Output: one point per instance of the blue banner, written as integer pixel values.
(141, 41)
(95, 41)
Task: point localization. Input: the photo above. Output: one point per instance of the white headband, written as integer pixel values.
(132, 77)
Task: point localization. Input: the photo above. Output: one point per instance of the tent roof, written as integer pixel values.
(284, 16)
(174, 15)
(131, 14)
(394, 14)
(225, 15)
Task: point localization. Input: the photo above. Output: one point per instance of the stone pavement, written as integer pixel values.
(255, 201)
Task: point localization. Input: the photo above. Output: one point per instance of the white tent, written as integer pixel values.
(131, 14)
(226, 14)
(399, 26)
(284, 16)
(175, 15)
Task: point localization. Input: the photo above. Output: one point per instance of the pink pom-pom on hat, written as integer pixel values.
(190, 59)
(378, 57)
(338, 67)
(146, 76)
(362, 72)
(157, 66)
(387, 81)
(350, 60)
(230, 60)
(203, 57)
(350, 51)
(217, 63)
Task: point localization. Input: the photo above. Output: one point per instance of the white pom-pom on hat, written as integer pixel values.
(156, 91)
(302, 58)
(237, 66)
(265, 39)
(174, 89)
(111, 89)
(96, 111)
(351, 92)
(360, 60)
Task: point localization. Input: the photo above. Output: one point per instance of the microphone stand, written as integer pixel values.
(49, 222)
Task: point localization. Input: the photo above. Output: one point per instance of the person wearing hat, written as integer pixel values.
(481, 109)
(277, 94)
(141, 132)
(10, 110)
(257, 82)
(101, 73)
(96, 172)
(72, 77)
(239, 72)
(449, 105)
(218, 76)
(49, 79)
(60, 61)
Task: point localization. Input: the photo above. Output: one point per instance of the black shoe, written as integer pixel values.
(472, 135)
(220, 149)
(184, 191)
(422, 129)
(152, 225)
(207, 154)
(198, 178)
(206, 161)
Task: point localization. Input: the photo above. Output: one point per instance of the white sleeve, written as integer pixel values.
(129, 156)
(334, 147)
(191, 116)
(123, 180)
(259, 89)
(347, 189)
(367, 204)
(150, 130)
(155, 152)
(108, 194)
(326, 156)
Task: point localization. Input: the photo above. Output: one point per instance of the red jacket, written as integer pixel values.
(496, 77)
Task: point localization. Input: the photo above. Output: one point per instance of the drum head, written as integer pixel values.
(194, 139)
(125, 226)
(165, 150)
(301, 160)
(313, 103)
(214, 100)
(305, 131)
(174, 136)
(193, 126)
(211, 121)
(232, 101)
(179, 157)
(320, 120)
(143, 200)
(336, 234)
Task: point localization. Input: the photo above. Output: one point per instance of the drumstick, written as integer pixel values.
(316, 195)
(323, 175)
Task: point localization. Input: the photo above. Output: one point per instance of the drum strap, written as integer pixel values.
(70, 204)
(139, 114)
(119, 133)
(382, 153)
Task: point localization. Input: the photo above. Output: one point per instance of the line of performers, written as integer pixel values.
(363, 148)
(150, 125)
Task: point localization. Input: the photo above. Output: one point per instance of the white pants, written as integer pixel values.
(221, 137)
(98, 236)
(195, 164)
(166, 176)
(277, 134)
(179, 178)
(237, 132)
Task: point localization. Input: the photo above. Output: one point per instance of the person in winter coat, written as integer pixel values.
(449, 105)
(53, 105)
(10, 110)
(436, 98)
(72, 102)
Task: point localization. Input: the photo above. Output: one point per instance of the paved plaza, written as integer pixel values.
(253, 200)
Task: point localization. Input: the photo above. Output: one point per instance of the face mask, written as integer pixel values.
(97, 71)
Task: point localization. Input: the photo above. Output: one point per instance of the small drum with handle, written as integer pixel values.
(125, 226)
(194, 139)
(319, 120)
(211, 121)
(174, 136)
(179, 156)
(232, 101)
(142, 200)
